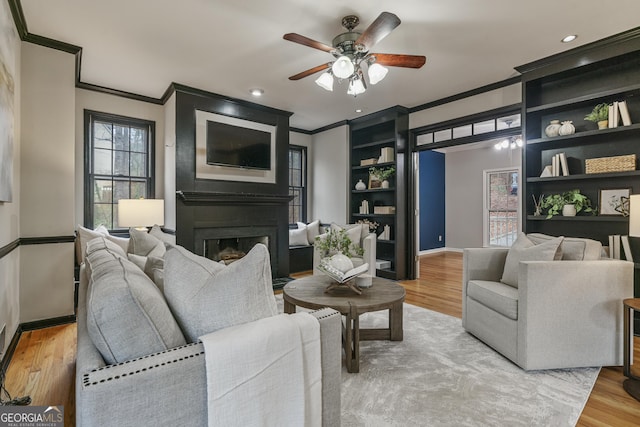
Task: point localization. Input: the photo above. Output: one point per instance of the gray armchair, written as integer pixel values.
(364, 238)
(561, 314)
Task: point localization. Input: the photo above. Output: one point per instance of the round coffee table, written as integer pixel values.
(309, 292)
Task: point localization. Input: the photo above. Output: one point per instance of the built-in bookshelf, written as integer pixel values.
(380, 140)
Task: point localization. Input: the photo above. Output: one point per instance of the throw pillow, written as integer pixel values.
(573, 248)
(523, 249)
(84, 235)
(157, 232)
(354, 232)
(313, 230)
(144, 244)
(206, 296)
(127, 315)
(298, 237)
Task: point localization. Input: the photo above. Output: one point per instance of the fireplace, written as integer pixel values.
(210, 223)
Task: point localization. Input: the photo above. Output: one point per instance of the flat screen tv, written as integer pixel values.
(239, 147)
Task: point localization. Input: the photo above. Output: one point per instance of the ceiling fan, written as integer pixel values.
(352, 49)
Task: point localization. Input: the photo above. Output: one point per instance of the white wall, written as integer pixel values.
(10, 211)
(330, 175)
(486, 101)
(105, 103)
(169, 163)
(47, 176)
(302, 139)
(463, 198)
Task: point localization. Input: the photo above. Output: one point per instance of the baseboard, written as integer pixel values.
(437, 250)
(4, 364)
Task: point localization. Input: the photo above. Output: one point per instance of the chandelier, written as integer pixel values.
(512, 143)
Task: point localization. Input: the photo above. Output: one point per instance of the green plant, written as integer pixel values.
(337, 241)
(599, 113)
(554, 203)
(382, 173)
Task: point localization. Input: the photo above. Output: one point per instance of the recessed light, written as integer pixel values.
(569, 38)
(359, 110)
(256, 92)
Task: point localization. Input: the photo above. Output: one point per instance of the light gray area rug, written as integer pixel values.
(439, 375)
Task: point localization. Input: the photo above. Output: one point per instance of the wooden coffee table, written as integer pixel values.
(309, 292)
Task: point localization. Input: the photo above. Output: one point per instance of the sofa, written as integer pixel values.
(139, 359)
(547, 302)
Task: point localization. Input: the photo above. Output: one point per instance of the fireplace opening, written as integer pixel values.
(228, 250)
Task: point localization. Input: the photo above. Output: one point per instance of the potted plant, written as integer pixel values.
(599, 115)
(335, 241)
(383, 174)
(568, 203)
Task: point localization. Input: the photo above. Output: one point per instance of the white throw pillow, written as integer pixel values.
(354, 232)
(313, 230)
(298, 237)
(206, 296)
(157, 232)
(144, 244)
(523, 249)
(86, 234)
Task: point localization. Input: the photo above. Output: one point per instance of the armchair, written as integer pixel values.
(359, 234)
(561, 313)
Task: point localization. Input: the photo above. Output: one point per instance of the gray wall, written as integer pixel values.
(463, 198)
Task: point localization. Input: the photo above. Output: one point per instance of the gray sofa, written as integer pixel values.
(163, 387)
(559, 308)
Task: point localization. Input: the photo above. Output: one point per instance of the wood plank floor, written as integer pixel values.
(43, 365)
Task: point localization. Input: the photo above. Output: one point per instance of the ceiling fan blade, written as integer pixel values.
(379, 29)
(309, 72)
(396, 60)
(297, 38)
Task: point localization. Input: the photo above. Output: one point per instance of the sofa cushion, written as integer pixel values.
(298, 237)
(144, 244)
(495, 295)
(523, 249)
(573, 248)
(206, 296)
(127, 315)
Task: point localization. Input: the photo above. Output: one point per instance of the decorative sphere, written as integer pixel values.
(341, 262)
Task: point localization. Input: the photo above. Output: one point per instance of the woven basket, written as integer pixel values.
(610, 164)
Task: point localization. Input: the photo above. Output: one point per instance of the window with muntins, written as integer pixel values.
(118, 165)
(297, 184)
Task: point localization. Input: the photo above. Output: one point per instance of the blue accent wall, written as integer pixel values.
(432, 202)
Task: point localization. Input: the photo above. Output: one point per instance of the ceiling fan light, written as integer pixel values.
(356, 87)
(376, 73)
(325, 81)
(342, 67)
(505, 143)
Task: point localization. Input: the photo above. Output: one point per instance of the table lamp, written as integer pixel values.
(140, 213)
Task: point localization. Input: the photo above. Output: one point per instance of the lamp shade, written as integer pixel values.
(634, 215)
(376, 73)
(140, 212)
(356, 87)
(325, 81)
(342, 67)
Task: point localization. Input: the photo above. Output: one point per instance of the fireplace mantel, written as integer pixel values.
(208, 197)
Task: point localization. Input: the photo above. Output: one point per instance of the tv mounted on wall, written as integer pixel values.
(235, 146)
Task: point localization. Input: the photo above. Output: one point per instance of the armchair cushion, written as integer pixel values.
(573, 248)
(523, 249)
(206, 296)
(355, 232)
(497, 296)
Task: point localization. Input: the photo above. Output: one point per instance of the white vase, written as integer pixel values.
(360, 185)
(567, 128)
(569, 210)
(385, 184)
(552, 129)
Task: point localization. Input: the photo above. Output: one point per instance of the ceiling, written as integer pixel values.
(228, 47)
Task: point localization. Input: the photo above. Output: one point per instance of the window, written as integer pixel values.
(118, 165)
(502, 204)
(297, 184)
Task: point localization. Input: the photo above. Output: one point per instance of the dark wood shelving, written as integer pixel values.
(584, 134)
(368, 136)
(580, 177)
(585, 99)
(588, 218)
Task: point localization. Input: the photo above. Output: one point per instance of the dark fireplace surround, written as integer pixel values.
(208, 210)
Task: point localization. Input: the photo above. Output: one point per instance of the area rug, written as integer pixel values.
(439, 375)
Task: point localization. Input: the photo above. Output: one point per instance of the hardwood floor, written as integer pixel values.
(43, 364)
